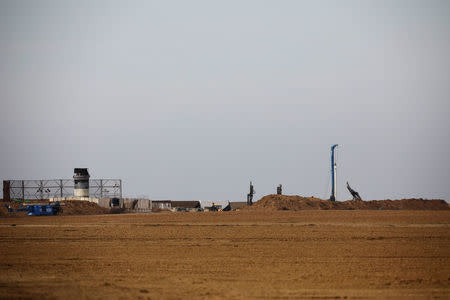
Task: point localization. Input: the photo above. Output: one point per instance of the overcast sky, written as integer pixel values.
(189, 100)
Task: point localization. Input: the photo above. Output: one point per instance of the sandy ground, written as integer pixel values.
(237, 255)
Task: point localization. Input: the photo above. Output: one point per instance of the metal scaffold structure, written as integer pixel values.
(55, 188)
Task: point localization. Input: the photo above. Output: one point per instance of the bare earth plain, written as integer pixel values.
(319, 254)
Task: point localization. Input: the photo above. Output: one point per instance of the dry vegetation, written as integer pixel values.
(317, 254)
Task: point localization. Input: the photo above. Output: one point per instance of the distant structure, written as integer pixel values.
(250, 194)
(80, 187)
(136, 205)
(279, 190)
(162, 204)
(354, 193)
(213, 207)
(235, 206)
(333, 173)
(189, 206)
(81, 182)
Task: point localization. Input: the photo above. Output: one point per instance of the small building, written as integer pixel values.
(131, 205)
(186, 206)
(107, 203)
(235, 206)
(161, 204)
(137, 205)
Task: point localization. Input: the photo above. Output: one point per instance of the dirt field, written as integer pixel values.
(238, 255)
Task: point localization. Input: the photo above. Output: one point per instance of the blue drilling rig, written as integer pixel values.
(38, 209)
(333, 173)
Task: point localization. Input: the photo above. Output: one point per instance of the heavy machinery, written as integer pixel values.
(333, 173)
(38, 209)
(354, 193)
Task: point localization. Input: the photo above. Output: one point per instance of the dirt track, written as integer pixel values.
(281, 254)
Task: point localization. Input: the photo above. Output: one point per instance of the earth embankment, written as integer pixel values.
(69, 207)
(283, 202)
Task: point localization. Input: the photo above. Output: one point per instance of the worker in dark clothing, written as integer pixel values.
(354, 193)
(279, 189)
(250, 195)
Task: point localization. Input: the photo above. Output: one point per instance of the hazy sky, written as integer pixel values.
(193, 99)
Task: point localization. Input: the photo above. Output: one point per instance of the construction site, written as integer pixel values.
(80, 237)
(224, 149)
(83, 195)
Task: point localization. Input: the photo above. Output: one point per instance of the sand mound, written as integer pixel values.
(72, 207)
(282, 202)
(410, 204)
(279, 202)
(75, 207)
(5, 213)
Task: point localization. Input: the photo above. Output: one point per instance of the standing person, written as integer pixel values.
(250, 194)
(279, 189)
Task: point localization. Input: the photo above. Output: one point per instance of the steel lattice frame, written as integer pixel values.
(105, 188)
(54, 188)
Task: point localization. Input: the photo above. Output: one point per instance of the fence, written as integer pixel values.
(54, 188)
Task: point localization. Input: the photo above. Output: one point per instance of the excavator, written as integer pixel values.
(354, 193)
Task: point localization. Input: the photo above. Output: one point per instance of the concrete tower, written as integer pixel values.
(81, 180)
